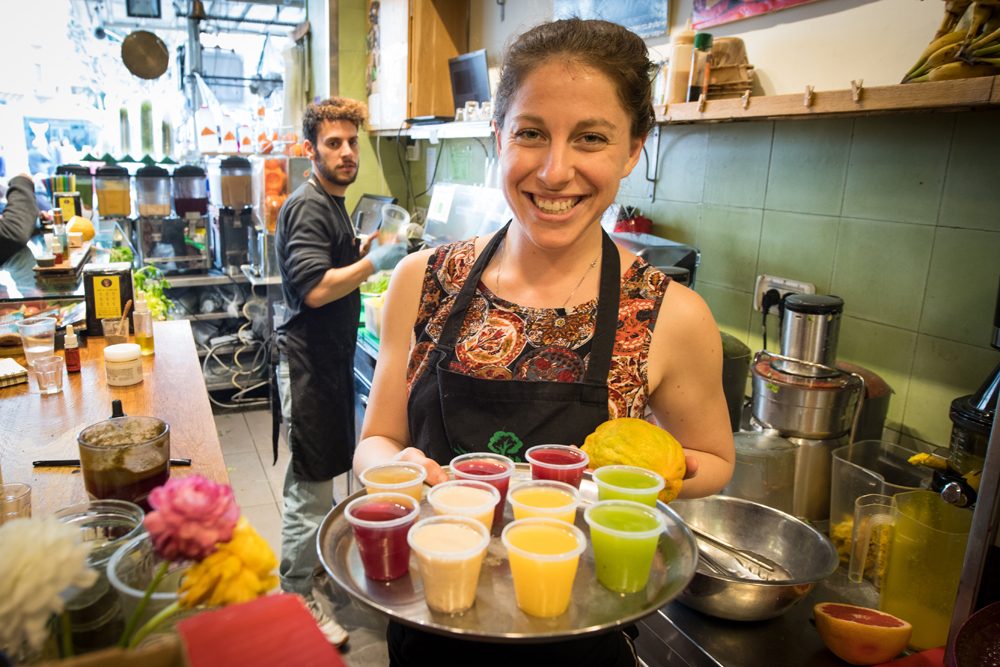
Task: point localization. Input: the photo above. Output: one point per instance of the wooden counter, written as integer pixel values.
(36, 427)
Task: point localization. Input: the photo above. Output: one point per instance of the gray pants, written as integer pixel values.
(305, 505)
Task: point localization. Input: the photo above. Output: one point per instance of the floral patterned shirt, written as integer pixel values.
(501, 340)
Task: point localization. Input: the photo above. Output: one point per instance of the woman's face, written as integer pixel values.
(564, 146)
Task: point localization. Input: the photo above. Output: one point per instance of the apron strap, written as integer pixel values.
(606, 324)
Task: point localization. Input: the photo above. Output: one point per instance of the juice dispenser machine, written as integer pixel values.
(162, 239)
(232, 198)
(112, 184)
(270, 192)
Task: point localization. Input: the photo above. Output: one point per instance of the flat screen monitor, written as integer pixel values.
(470, 78)
(367, 215)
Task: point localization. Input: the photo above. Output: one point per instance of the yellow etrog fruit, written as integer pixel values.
(634, 442)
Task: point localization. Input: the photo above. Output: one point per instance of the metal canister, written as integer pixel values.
(810, 328)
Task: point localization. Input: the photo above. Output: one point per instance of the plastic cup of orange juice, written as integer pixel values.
(396, 477)
(545, 498)
(544, 555)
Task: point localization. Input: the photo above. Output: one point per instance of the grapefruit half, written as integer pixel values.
(859, 635)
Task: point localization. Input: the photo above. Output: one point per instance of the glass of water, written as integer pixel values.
(38, 337)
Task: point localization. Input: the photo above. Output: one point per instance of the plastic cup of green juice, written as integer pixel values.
(624, 535)
(628, 483)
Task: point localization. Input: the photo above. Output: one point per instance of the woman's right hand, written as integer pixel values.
(435, 474)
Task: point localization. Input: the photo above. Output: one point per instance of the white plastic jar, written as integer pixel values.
(123, 364)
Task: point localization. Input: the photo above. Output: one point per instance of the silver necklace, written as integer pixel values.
(503, 248)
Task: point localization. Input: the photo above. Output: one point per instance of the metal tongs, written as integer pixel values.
(750, 562)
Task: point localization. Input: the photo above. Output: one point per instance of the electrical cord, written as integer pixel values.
(240, 373)
(434, 175)
(770, 298)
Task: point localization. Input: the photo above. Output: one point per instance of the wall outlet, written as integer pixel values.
(783, 285)
(413, 152)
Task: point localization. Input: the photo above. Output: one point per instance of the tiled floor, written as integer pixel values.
(246, 447)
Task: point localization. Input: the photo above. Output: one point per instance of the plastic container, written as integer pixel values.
(152, 191)
(125, 458)
(142, 320)
(190, 191)
(113, 192)
(122, 364)
(235, 182)
(84, 183)
(764, 471)
(681, 45)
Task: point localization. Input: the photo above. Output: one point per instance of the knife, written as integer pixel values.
(71, 463)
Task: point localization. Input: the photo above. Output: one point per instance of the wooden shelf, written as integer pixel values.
(931, 96)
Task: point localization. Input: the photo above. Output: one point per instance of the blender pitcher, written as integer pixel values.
(919, 546)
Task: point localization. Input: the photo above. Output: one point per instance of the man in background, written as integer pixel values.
(17, 221)
(322, 264)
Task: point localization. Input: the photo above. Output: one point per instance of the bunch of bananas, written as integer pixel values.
(962, 52)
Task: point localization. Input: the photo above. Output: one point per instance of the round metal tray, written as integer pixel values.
(495, 615)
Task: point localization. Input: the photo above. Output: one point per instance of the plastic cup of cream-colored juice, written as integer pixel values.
(449, 552)
(624, 535)
(381, 522)
(628, 483)
(396, 477)
(545, 499)
(494, 469)
(465, 497)
(561, 463)
(543, 555)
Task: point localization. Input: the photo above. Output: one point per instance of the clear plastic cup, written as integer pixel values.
(395, 220)
(38, 338)
(49, 373)
(15, 501)
(450, 551)
(628, 483)
(624, 535)
(115, 331)
(545, 498)
(544, 555)
(465, 497)
(396, 477)
(381, 522)
(494, 469)
(561, 463)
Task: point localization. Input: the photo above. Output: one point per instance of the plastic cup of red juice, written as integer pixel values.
(381, 522)
(494, 469)
(561, 463)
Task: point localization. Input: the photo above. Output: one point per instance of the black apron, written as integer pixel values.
(319, 350)
(450, 413)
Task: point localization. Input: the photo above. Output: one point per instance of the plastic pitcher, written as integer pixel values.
(868, 466)
(919, 547)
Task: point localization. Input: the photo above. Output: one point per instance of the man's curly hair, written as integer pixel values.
(333, 108)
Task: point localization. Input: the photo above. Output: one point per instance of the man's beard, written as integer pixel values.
(332, 176)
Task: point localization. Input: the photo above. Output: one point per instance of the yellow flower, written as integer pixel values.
(240, 570)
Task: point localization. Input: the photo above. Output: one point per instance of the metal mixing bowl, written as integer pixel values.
(805, 553)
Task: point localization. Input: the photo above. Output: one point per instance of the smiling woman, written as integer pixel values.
(546, 329)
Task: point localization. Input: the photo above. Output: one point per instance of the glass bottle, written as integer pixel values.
(679, 72)
(142, 320)
(72, 350)
(59, 230)
(701, 65)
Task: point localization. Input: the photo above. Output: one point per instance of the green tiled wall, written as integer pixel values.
(899, 215)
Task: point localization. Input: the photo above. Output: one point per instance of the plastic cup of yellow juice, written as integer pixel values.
(545, 499)
(396, 477)
(543, 555)
(465, 497)
(449, 552)
(628, 483)
(624, 535)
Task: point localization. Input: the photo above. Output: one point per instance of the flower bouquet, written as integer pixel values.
(195, 528)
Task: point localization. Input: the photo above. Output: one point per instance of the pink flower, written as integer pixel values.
(191, 516)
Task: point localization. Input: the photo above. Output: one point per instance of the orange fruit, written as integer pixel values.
(635, 442)
(859, 635)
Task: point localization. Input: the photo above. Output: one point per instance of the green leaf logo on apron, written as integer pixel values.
(505, 443)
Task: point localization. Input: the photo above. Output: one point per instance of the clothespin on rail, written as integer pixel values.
(808, 97)
(745, 99)
(857, 87)
(701, 103)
